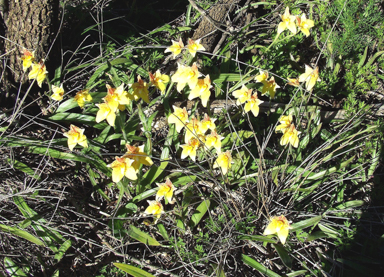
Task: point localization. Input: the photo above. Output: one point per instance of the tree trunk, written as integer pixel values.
(29, 24)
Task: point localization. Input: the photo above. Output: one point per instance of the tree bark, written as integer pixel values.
(29, 24)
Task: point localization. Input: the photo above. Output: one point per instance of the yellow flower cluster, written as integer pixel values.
(76, 136)
(129, 164)
(288, 22)
(115, 100)
(290, 134)
(192, 47)
(38, 71)
(165, 191)
(252, 102)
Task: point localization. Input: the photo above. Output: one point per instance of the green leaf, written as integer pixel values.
(305, 223)
(21, 233)
(350, 205)
(63, 248)
(134, 271)
(24, 168)
(284, 256)
(362, 60)
(163, 231)
(317, 235)
(56, 273)
(199, 213)
(259, 267)
(12, 269)
(78, 118)
(256, 238)
(297, 273)
(145, 195)
(141, 236)
(331, 232)
(71, 103)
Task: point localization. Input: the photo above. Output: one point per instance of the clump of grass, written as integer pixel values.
(194, 197)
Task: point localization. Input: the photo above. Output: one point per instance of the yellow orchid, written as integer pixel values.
(117, 98)
(193, 46)
(214, 140)
(175, 48)
(242, 94)
(207, 124)
(202, 90)
(279, 225)
(304, 24)
(140, 90)
(122, 167)
(159, 80)
(286, 121)
(288, 22)
(38, 72)
(186, 75)
(253, 105)
(190, 149)
(76, 136)
(224, 161)
(270, 86)
(83, 96)
(138, 155)
(155, 208)
(105, 112)
(293, 82)
(27, 58)
(193, 129)
(290, 136)
(310, 77)
(58, 92)
(179, 117)
(165, 190)
(263, 76)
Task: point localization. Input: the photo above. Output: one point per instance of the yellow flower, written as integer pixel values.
(184, 75)
(263, 76)
(175, 48)
(190, 149)
(214, 140)
(138, 156)
(159, 80)
(224, 161)
(279, 225)
(165, 190)
(122, 167)
(253, 105)
(288, 22)
(38, 72)
(290, 136)
(270, 86)
(207, 124)
(286, 121)
(117, 98)
(193, 129)
(27, 58)
(293, 82)
(202, 90)
(83, 96)
(310, 77)
(58, 92)
(242, 94)
(154, 208)
(194, 46)
(140, 90)
(304, 24)
(105, 112)
(76, 136)
(179, 117)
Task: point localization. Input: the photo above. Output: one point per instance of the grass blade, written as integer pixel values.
(259, 267)
(134, 271)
